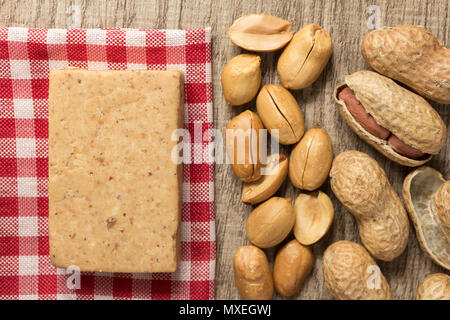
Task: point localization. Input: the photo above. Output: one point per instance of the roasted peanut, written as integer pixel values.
(413, 56)
(242, 144)
(293, 263)
(435, 286)
(311, 160)
(270, 222)
(279, 110)
(351, 274)
(361, 185)
(241, 79)
(397, 122)
(252, 274)
(260, 32)
(275, 173)
(305, 57)
(314, 214)
(424, 193)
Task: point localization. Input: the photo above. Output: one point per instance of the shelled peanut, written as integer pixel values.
(242, 144)
(311, 160)
(292, 265)
(252, 274)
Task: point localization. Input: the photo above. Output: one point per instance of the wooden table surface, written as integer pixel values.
(346, 21)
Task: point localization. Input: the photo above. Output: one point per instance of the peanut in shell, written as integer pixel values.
(362, 186)
(411, 55)
(435, 286)
(351, 274)
(279, 110)
(404, 113)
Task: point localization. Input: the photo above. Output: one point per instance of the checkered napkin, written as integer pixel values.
(26, 57)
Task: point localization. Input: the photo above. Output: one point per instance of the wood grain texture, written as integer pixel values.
(346, 23)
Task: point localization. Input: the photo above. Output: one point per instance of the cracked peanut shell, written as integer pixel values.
(422, 200)
(404, 113)
(362, 186)
(411, 55)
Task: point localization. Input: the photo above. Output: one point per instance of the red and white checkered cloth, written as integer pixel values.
(26, 57)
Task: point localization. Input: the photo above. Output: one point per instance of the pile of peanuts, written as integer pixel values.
(397, 122)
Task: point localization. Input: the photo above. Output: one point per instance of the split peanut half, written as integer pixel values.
(260, 32)
(275, 173)
(314, 214)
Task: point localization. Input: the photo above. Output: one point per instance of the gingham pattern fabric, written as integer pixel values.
(26, 57)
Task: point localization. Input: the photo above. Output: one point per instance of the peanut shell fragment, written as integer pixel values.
(423, 196)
